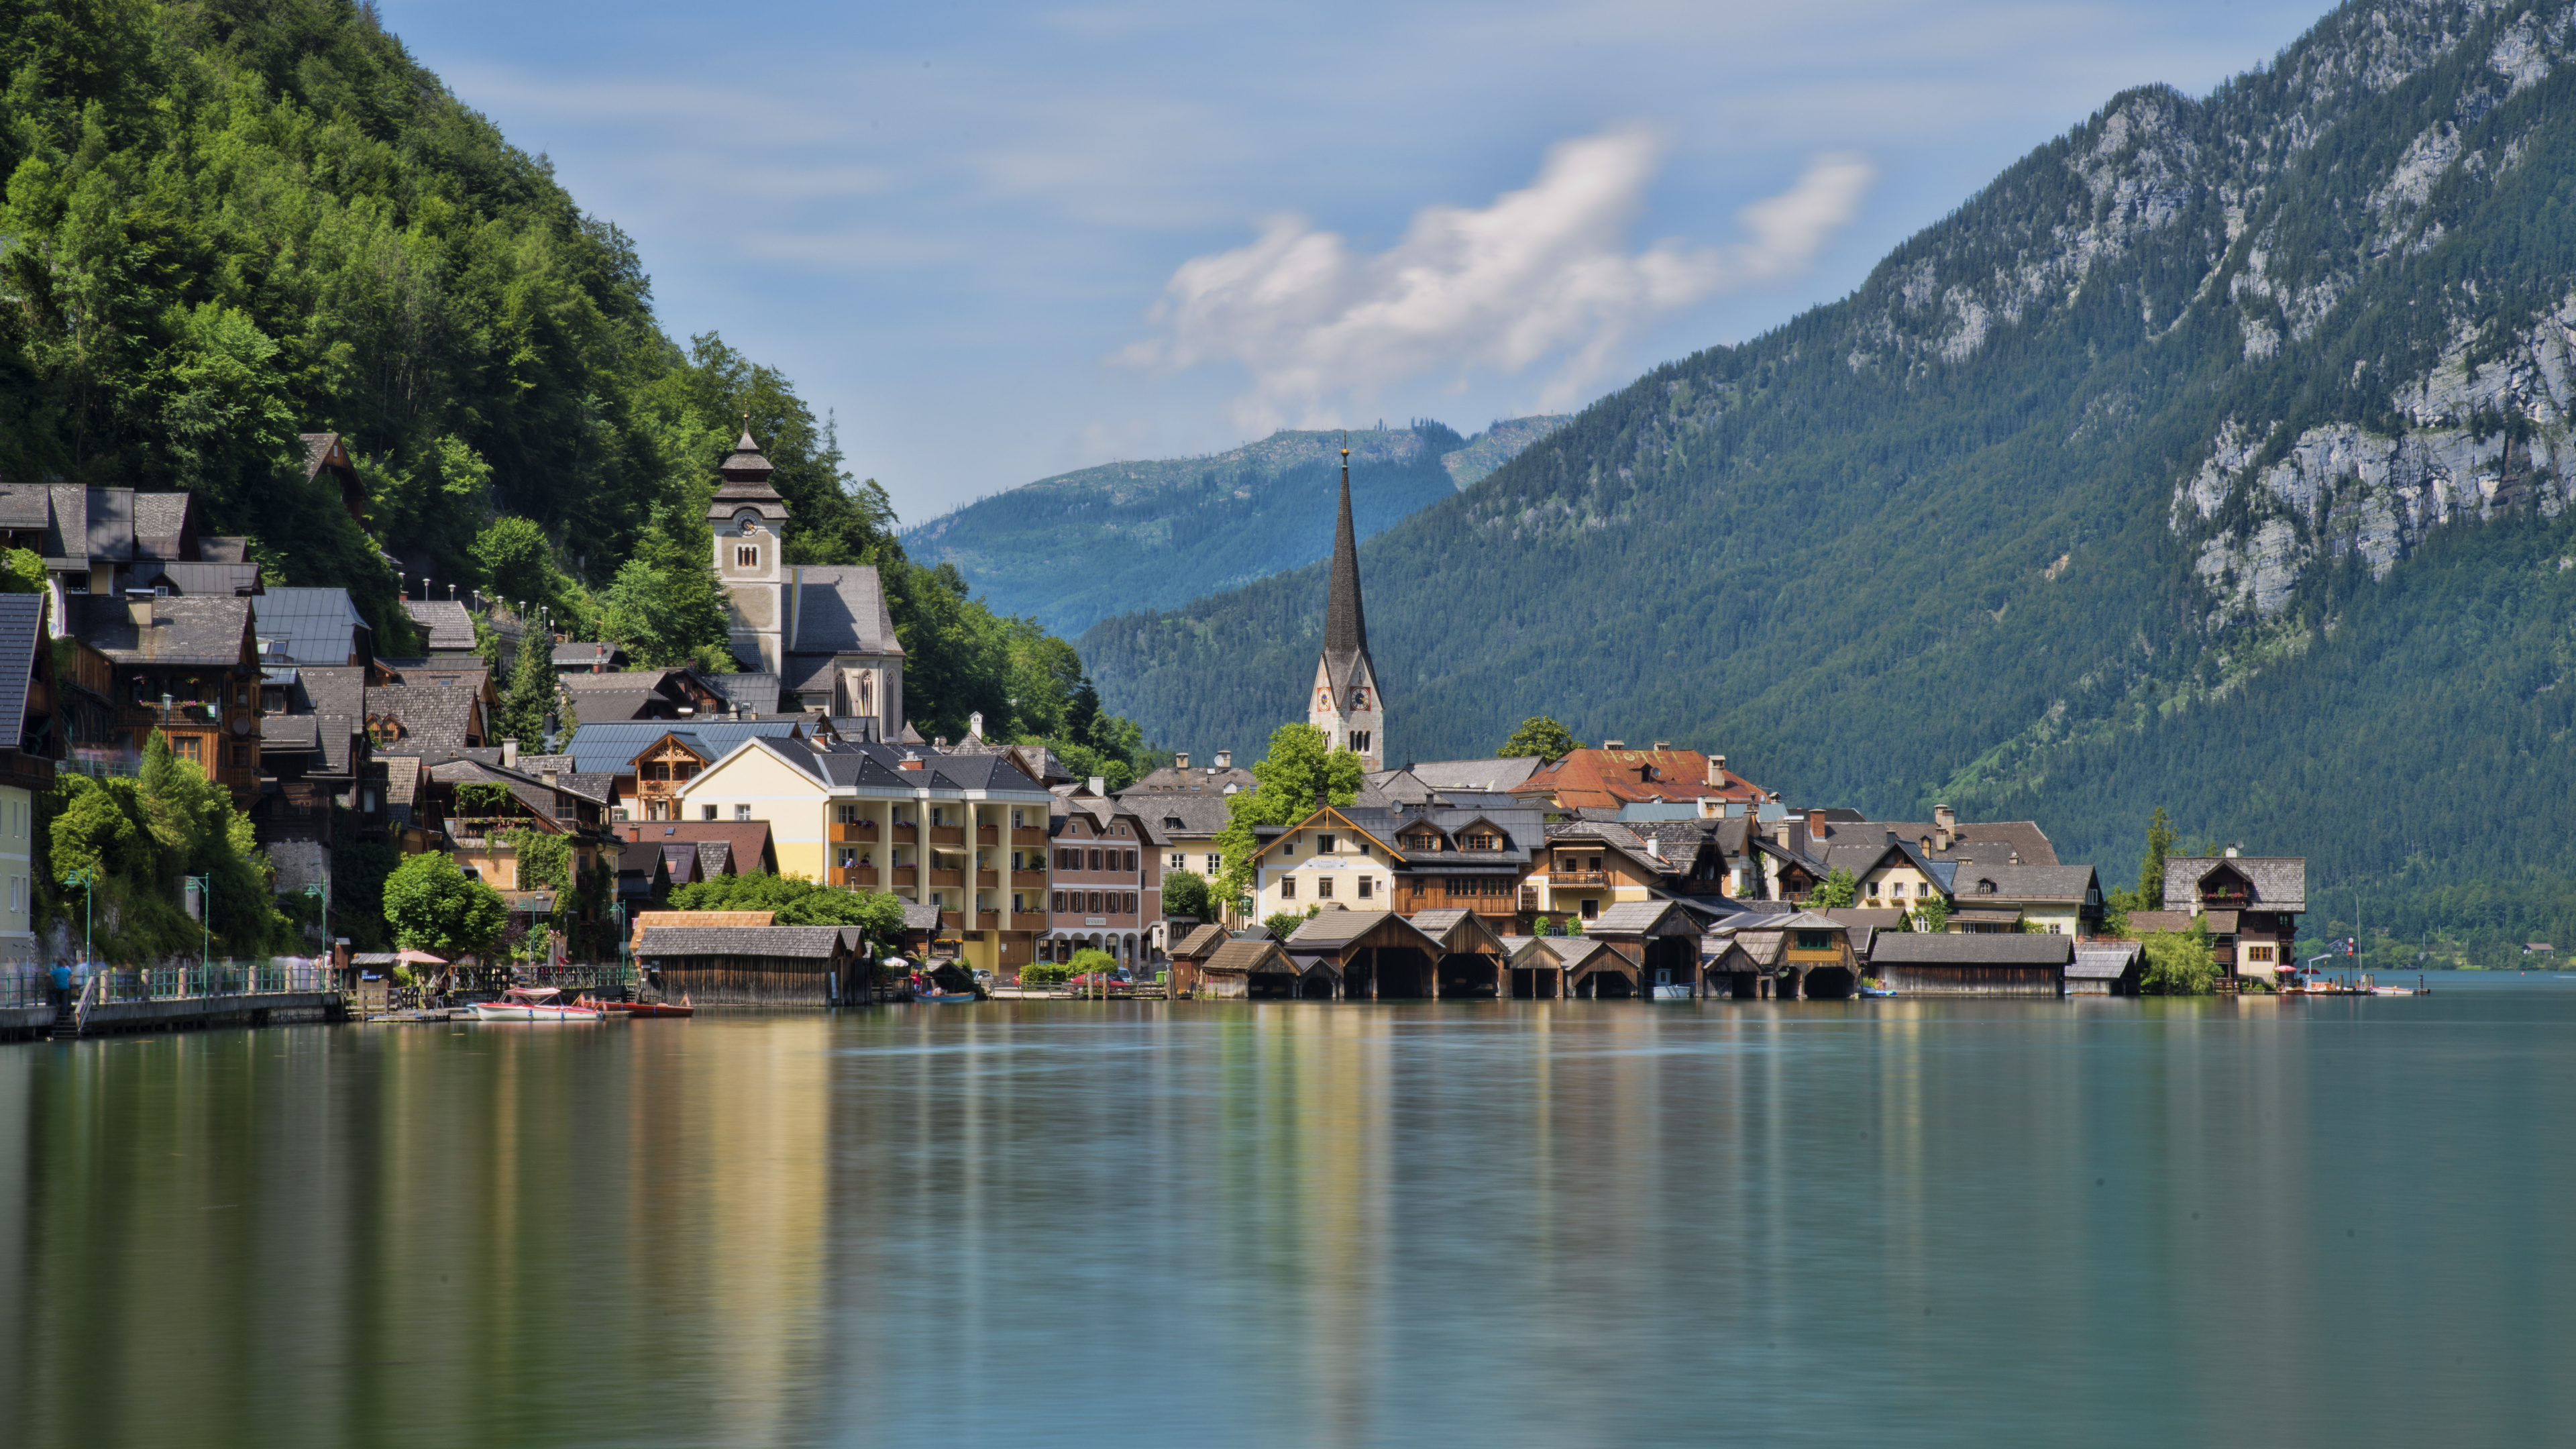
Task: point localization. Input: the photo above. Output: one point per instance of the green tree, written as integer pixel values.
(666, 605)
(1185, 893)
(1283, 924)
(1932, 914)
(22, 572)
(517, 563)
(1300, 768)
(1837, 890)
(435, 907)
(530, 698)
(2179, 963)
(1541, 736)
(2151, 866)
(797, 902)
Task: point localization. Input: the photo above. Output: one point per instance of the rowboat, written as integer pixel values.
(534, 1003)
(936, 997)
(662, 1008)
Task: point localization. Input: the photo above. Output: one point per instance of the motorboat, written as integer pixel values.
(535, 1003)
(1877, 991)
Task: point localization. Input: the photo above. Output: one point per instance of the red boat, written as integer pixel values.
(646, 1008)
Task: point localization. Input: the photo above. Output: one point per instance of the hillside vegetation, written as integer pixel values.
(1073, 549)
(2214, 455)
(226, 222)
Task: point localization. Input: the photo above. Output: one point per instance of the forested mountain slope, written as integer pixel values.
(1073, 549)
(226, 222)
(2216, 454)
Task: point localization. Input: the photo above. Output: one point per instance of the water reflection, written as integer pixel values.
(2122, 1222)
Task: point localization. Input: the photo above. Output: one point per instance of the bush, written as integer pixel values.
(1283, 924)
(1045, 973)
(2178, 964)
(1089, 959)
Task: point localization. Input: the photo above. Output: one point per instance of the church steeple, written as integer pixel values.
(1345, 621)
(1346, 705)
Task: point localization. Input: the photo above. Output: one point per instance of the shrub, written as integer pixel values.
(2178, 963)
(1045, 973)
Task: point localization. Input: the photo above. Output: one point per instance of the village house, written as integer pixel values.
(963, 834)
(1588, 866)
(2250, 905)
(2055, 900)
(1105, 878)
(649, 761)
(28, 743)
(187, 667)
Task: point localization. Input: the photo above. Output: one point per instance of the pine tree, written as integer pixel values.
(531, 696)
(2151, 871)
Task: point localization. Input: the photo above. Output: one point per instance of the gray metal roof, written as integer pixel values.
(609, 746)
(841, 609)
(314, 626)
(755, 692)
(2103, 960)
(199, 578)
(22, 624)
(1978, 882)
(2002, 948)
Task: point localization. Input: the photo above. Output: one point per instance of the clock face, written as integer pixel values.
(1324, 700)
(1359, 699)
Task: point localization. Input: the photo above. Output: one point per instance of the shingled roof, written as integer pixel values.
(446, 624)
(1999, 948)
(206, 630)
(814, 943)
(2280, 882)
(22, 625)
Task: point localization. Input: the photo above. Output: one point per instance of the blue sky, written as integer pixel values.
(1000, 241)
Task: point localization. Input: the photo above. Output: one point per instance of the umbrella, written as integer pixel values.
(417, 957)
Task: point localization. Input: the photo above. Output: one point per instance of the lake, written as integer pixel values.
(1898, 1222)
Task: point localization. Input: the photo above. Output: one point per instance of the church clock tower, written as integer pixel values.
(1345, 703)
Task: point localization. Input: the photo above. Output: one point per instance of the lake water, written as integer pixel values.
(1970, 1222)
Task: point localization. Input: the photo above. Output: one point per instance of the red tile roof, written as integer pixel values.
(1607, 779)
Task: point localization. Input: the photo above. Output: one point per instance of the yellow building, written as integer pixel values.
(962, 831)
(1328, 861)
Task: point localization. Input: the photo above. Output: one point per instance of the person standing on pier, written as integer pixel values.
(62, 985)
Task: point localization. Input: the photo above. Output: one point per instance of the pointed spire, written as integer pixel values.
(1345, 622)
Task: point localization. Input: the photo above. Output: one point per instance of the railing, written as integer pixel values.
(948, 835)
(859, 875)
(608, 974)
(274, 977)
(1578, 877)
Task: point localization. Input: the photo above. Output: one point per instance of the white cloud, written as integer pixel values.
(1541, 274)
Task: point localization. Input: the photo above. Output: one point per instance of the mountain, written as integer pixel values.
(2215, 455)
(1073, 549)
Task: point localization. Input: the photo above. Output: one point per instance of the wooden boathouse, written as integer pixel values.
(1380, 954)
(1981, 964)
(1804, 953)
(758, 965)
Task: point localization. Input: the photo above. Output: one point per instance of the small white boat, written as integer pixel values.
(534, 1003)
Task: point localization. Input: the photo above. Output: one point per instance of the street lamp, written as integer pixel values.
(205, 885)
(84, 879)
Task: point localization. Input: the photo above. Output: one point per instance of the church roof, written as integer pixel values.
(1345, 620)
(746, 485)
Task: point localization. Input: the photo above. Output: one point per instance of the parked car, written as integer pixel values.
(1119, 983)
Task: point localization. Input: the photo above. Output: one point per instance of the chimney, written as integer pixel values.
(1181, 761)
(1816, 825)
(1945, 824)
(911, 760)
(2013, 859)
(1891, 835)
(1717, 772)
(1225, 759)
(1663, 744)
(2233, 849)
(1780, 833)
(1099, 785)
(548, 775)
(1655, 846)
(509, 754)
(1614, 744)
(975, 725)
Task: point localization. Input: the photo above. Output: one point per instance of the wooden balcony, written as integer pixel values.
(948, 835)
(988, 835)
(953, 920)
(951, 878)
(1579, 877)
(1029, 835)
(906, 830)
(865, 830)
(859, 877)
(988, 879)
(988, 920)
(906, 877)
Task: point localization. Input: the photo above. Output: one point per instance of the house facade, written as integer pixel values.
(962, 834)
(1105, 880)
(2251, 905)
